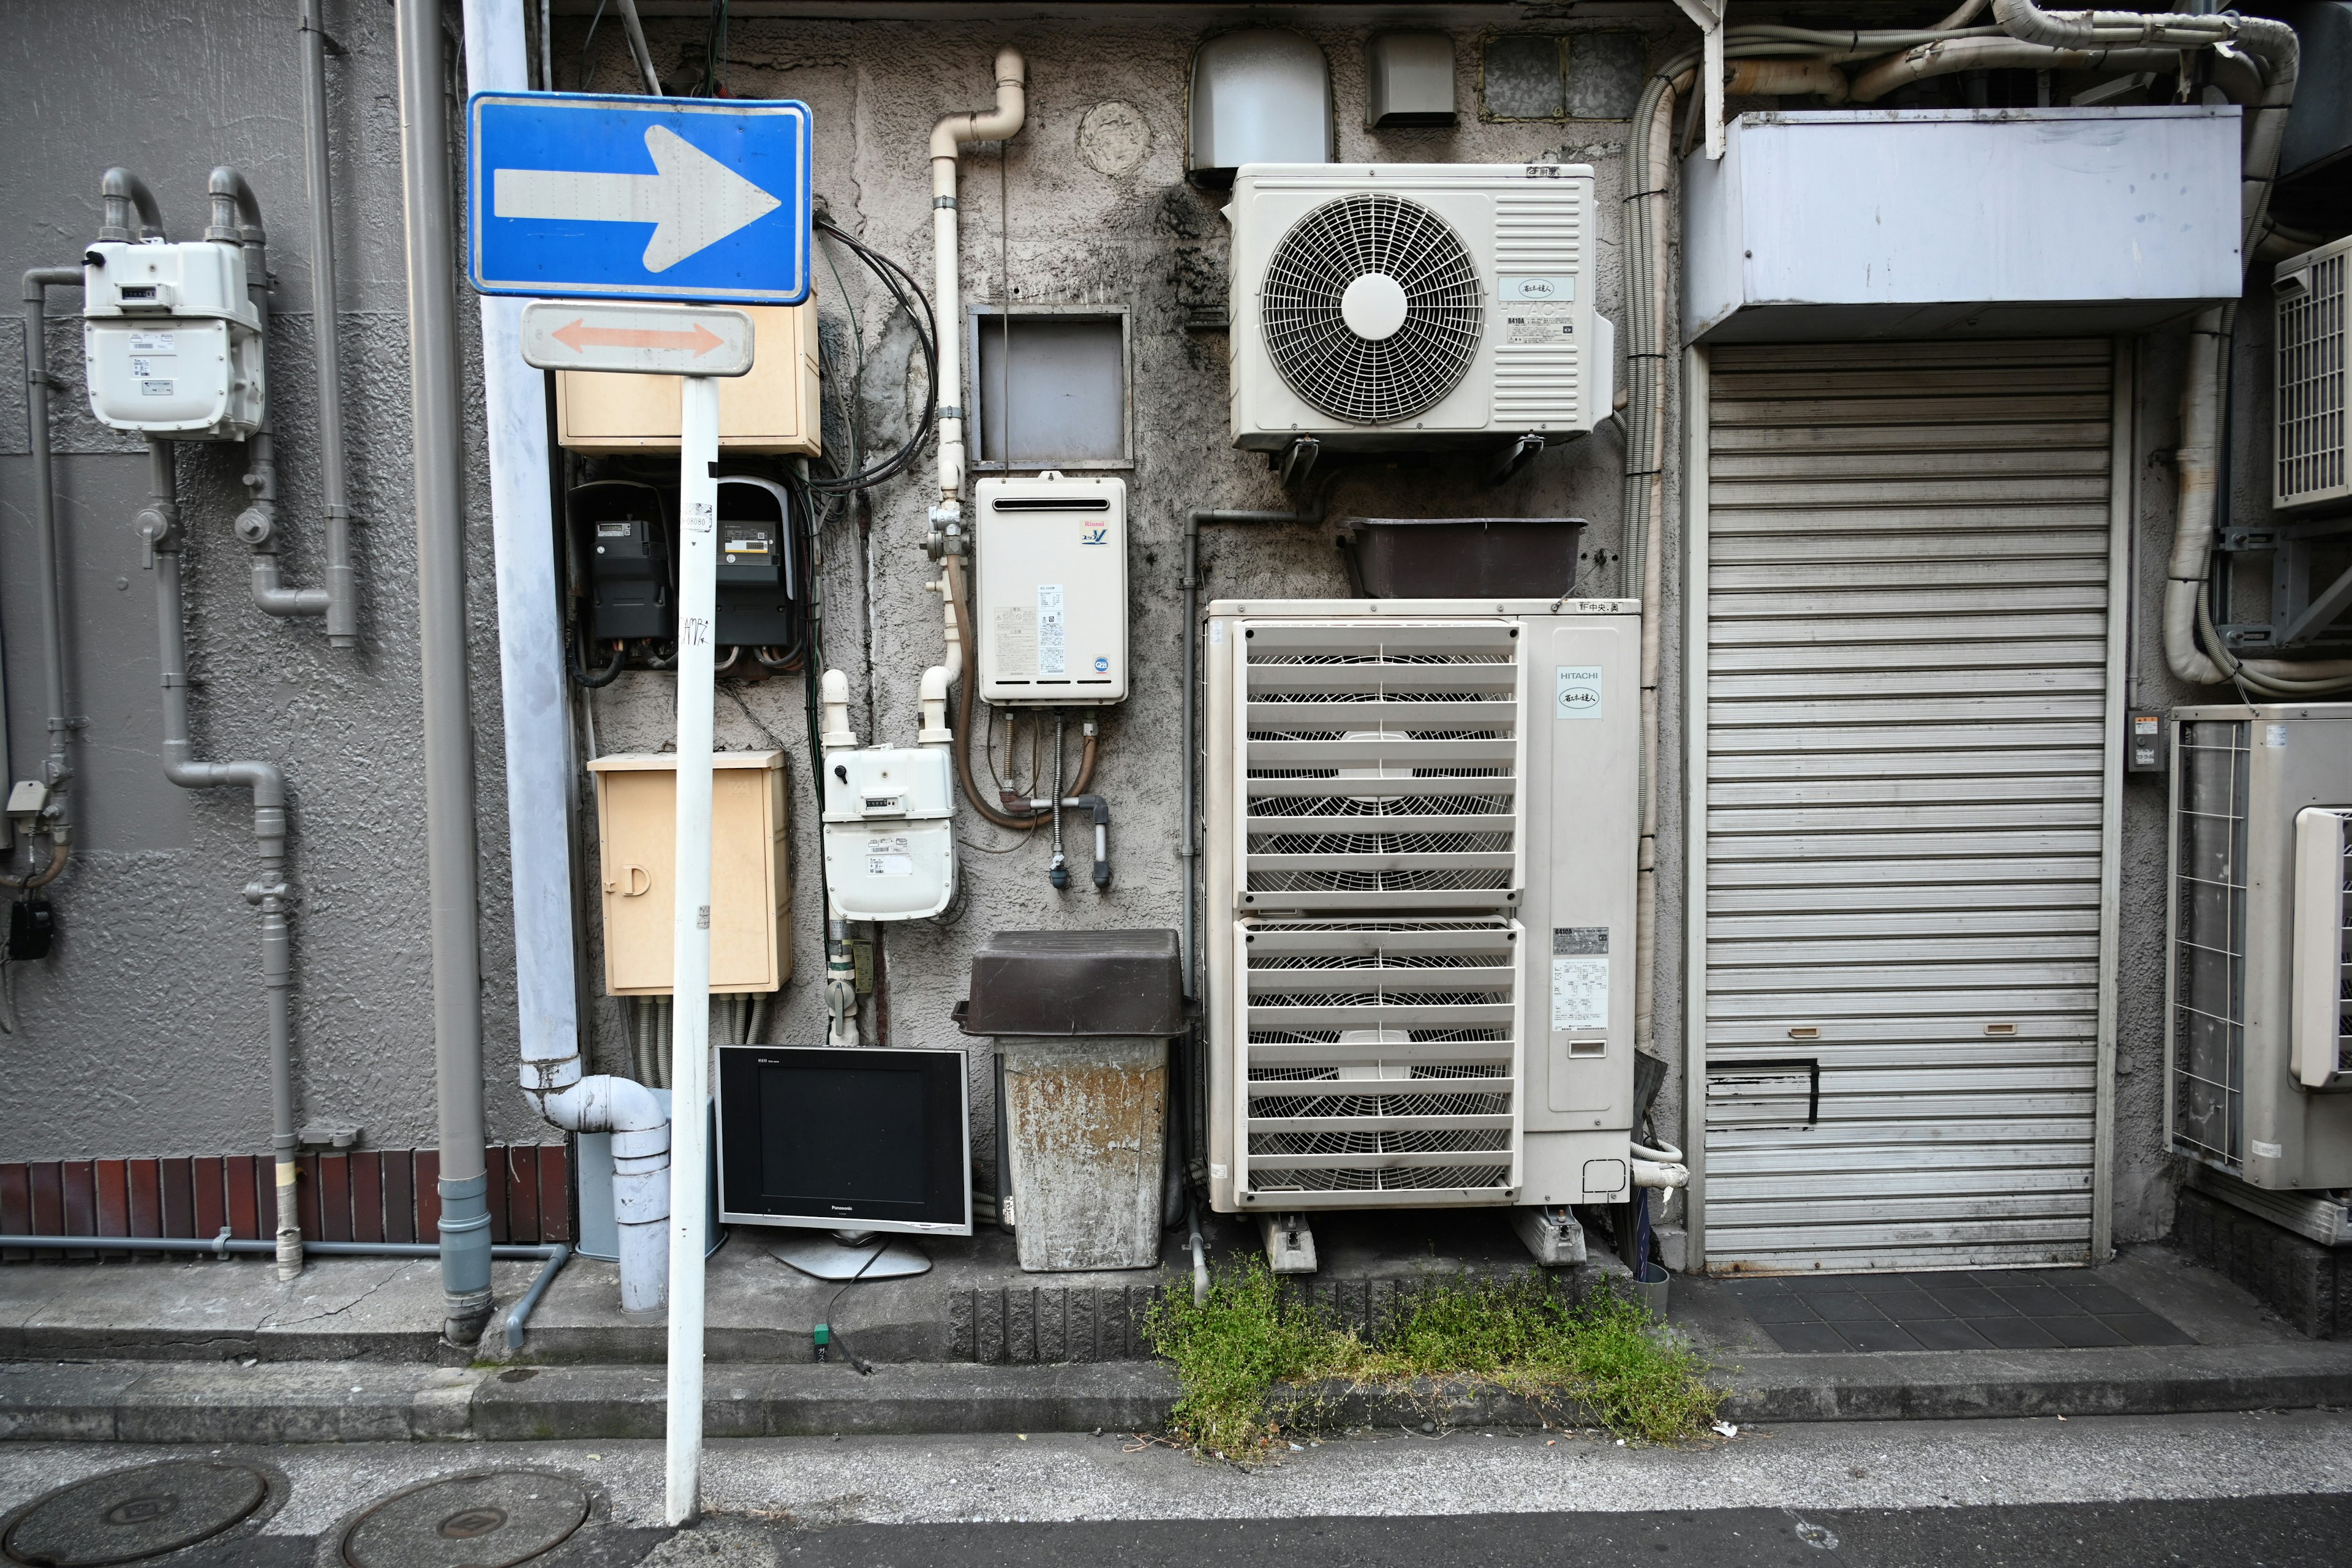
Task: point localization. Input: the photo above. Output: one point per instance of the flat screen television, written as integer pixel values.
(845, 1139)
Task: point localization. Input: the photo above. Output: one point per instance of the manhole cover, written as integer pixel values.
(468, 1522)
(126, 1515)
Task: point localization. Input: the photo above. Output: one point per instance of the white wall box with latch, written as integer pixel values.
(1049, 590)
(172, 339)
(889, 840)
(750, 886)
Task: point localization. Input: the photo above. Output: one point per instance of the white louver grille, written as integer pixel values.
(2314, 364)
(1380, 1057)
(1381, 768)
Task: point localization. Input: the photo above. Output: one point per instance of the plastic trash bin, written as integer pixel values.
(1082, 1019)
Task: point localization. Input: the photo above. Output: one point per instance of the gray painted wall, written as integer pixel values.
(144, 1031)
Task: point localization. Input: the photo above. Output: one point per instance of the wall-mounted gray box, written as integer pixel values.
(1061, 374)
(1408, 80)
(1912, 221)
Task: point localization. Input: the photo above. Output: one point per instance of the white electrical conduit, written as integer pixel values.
(537, 713)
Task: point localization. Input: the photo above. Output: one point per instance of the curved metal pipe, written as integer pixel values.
(119, 192)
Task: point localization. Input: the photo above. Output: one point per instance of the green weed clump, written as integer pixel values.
(1602, 1359)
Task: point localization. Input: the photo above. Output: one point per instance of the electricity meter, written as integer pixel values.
(172, 339)
(889, 840)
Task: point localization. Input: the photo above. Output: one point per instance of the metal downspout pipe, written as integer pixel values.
(159, 531)
(326, 350)
(449, 835)
(57, 772)
(536, 705)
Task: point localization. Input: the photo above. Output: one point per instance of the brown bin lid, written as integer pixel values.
(1076, 983)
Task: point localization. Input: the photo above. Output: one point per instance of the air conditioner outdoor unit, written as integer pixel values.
(2311, 446)
(2259, 1042)
(1422, 830)
(1380, 305)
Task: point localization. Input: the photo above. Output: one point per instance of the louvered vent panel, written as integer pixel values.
(1381, 768)
(2314, 363)
(1380, 1057)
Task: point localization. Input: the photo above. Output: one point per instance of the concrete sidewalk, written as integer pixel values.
(219, 1352)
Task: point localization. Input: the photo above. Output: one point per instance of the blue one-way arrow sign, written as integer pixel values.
(599, 196)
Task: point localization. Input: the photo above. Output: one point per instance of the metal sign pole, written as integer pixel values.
(690, 1073)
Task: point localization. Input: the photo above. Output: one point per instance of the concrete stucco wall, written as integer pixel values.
(143, 1033)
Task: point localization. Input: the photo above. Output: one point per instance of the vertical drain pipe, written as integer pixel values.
(159, 531)
(449, 841)
(56, 773)
(334, 483)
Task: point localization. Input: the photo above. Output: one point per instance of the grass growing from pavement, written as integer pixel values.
(1602, 1356)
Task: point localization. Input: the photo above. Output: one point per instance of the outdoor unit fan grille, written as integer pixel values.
(1367, 381)
(1381, 768)
(1381, 1056)
(2315, 361)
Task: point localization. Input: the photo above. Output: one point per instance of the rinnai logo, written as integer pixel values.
(1095, 534)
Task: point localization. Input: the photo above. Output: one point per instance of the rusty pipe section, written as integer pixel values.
(159, 533)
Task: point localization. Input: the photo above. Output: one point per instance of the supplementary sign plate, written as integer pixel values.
(595, 195)
(649, 339)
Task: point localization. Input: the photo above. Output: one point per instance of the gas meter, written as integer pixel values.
(173, 339)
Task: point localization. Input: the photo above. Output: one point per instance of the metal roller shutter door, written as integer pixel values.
(1907, 816)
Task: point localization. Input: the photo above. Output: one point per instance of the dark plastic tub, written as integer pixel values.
(1462, 557)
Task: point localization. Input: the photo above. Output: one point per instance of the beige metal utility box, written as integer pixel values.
(772, 410)
(750, 892)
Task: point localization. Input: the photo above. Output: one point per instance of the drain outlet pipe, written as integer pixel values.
(451, 848)
(326, 350)
(159, 533)
(56, 821)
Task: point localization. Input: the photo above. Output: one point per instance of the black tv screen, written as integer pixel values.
(844, 1139)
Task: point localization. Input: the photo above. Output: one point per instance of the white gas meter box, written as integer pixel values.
(172, 341)
(889, 840)
(1379, 306)
(1049, 590)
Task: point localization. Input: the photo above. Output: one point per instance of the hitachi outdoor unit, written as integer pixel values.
(1385, 305)
(2260, 1041)
(1421, 826)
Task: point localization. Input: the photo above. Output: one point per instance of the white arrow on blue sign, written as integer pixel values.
(596, 195)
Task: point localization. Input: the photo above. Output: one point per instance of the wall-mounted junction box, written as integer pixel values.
(890, 832)
(1049, 590)
(172, 341)
(773, 409)
(750, 891)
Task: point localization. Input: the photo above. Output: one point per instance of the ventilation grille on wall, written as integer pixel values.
(1380, 1056)
(2315, 361)
(1363, 380)
(1381, 768)
(2208, 941)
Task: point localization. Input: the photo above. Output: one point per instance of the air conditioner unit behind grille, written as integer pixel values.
(1382, 305)
(1411, 808)
(2258, 1051)
(2312, 447)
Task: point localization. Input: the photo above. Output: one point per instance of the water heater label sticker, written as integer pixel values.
(1052, 653)
(153, 343)
(1576, 691)
(1016, 643)
(1579, 978)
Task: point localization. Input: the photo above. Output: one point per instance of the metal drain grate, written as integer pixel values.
(493, 1520)
(127, 1515)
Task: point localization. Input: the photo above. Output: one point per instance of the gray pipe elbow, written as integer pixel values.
(120, 191)
(237, 211)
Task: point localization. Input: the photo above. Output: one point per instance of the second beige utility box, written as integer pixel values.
(774, 409)
(751, 893)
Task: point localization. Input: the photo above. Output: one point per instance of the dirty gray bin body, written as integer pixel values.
(1083, 1019)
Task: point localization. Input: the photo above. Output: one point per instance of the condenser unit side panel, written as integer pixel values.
(1907, 590)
